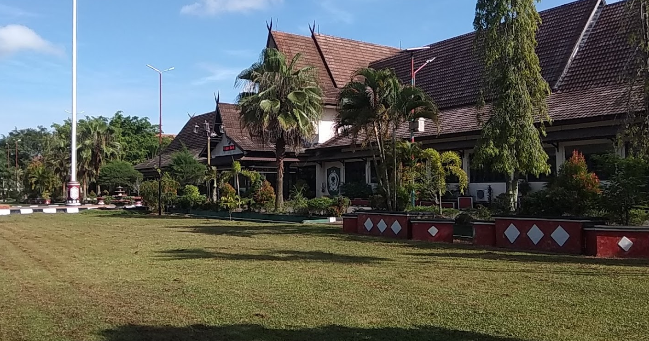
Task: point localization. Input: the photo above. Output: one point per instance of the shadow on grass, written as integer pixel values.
(251, 332)
(247, 231)
(518, 256)
(275, 255)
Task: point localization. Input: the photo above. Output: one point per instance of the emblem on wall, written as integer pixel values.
(333, 180)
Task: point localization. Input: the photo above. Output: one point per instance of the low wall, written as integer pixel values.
(350, 224)
(617, 241)
(432, 230)
(392, 225)
(484, 233)
(537, 234)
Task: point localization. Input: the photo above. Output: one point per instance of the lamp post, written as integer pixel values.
(210, 134)
(73, 187)
(16, 169)
(413, 75)
(160, 138)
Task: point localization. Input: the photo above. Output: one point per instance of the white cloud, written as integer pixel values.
(214, 7)
(16, 38)
(217, 73)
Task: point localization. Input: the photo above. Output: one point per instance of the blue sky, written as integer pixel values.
(207, 41)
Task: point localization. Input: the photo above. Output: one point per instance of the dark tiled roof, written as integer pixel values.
(343, 56)
(292, 44)
(605, 57)
(584, 104)
(196, 143)
(453, 78)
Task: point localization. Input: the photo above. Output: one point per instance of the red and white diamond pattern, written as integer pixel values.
(433, 231)
(625, 244)
(560, 236)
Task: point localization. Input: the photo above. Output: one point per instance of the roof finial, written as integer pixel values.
(269, 25)
(217, 99)
(312, 28)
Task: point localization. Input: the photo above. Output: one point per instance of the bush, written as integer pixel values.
(638, 217)
(576, 188)
(627, 189)
(264, 196)
(338, 206)
(319, 206)
(191, 198)
(226, 190)
(298, 203)
(356, 190)
(501, 205)
(149, 192)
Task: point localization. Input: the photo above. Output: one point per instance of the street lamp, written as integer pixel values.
(160, 139)
(413, 74)
(210, 134)
(16, 169)
(73, 187)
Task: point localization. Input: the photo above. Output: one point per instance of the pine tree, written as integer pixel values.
(512, 82)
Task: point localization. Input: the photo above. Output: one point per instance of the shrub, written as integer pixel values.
(227, 190)
(338, 206)
(576, 188)
(319, 206)
(358, 190)
(298, 202)
(191, 198)
(264, 195)
(627, 190)
(501, 205)
(231, 203)
(149, 192)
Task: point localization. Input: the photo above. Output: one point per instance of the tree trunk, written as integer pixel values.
(236, 180)
(98, 189)
(280, 151)
(440, 202)
(512, 191)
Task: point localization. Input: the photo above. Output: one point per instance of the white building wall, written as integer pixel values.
(326, 125)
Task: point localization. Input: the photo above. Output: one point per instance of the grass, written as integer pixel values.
(114, 277)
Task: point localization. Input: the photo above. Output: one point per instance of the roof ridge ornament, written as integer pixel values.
(269, 25)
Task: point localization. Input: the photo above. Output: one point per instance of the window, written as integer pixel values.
(485, 174)
(355, 172)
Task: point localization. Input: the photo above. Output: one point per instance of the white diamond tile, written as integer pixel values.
(382, 226)
(512, 233)
(625, 243)
(535, 234)
(396, 227)
(560, 235)
(368, 224)
(433, 231)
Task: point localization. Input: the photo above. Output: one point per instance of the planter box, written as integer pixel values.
(484, 233)
(392, 225)
(617, 241)
(537, 234)
(440, 231)
(350, 224)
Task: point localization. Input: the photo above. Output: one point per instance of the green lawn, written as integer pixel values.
(101, 276)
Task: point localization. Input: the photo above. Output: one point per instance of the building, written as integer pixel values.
(584, 52)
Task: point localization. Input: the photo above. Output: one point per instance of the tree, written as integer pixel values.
(440, 166)
(149, 192)
(281, 105)
(118, 173)
(41, 179)
(97, 145)
(137, 137)
(371, 107)
(186, 169)
(512, 81)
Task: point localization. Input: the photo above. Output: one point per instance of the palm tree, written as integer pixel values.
(98, 144)
(370, 109)
(281, 105)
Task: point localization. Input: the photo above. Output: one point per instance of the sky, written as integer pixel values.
(208, 42)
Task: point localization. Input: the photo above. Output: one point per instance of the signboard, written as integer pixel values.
(333, 180)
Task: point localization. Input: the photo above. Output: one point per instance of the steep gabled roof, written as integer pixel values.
(453, 78)
(343, 56)
(606, 56)
(197, 142)
(292, 44)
